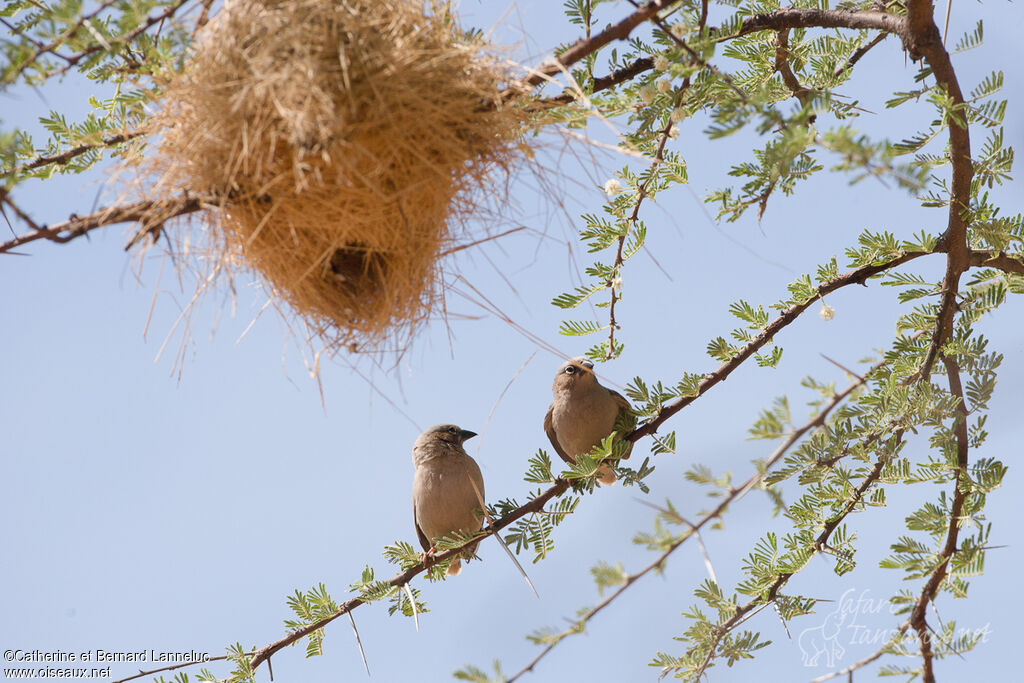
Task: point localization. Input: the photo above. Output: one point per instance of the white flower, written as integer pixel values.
(826, 312)
(646, 93)
(664, 85)
(660, 63)
(679, 29)
(673, 132)
(612, 187)
(617, 283)
(677, 115)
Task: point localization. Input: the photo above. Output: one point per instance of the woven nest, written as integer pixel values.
(343, 142)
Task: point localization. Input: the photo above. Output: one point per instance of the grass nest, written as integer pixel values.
(344, 143)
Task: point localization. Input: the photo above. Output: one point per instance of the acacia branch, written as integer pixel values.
(917, 618)
(124, 38)
(536, 505)
(789, 18)
(923, 40)
(860, 52)
(765, 336)
(918, 614)
(626, 73)
(779, 20)
(659, 158)
(734, 495)
(147, 212)
(52, 46)
(587, 46)
(67, 155)
(1008, 263)
(860, 664)
(784, 69)
(820, 543)
(634, 217)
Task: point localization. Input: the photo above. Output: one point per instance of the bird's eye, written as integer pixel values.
(452, 429)
(571, 370)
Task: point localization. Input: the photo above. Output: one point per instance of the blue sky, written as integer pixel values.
(173, 502)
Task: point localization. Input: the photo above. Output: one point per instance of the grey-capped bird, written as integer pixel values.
(443, 498)
(583, 413)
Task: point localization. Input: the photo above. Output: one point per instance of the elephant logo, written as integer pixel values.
(823, 640)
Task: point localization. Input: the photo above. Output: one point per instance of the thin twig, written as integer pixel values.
(584, 47)
(695, 58)
(460, 247)
(147, 211)
(848, 671)
(124, 38)
(626, 73)
(642, 188)
(67, 155)
(841, 367)
(859, 53)
(56, 42)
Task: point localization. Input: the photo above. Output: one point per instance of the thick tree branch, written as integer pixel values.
(784, 69)
(1008, 263)
(923, 40)
(790, 18)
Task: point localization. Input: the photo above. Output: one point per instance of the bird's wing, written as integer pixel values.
(626, 417)
(620, 399)
(550, 429)
(424, 541)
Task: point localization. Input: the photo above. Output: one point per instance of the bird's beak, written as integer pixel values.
(466, 434)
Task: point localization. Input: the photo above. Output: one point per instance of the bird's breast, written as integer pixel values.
(444, 496)
(580, 422)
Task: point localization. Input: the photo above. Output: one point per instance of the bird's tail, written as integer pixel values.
(455, 567)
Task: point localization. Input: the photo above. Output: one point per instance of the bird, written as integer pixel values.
(583, 413)
(447, 489)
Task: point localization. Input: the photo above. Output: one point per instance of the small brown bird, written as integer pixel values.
(444, 500)
(583, 413)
